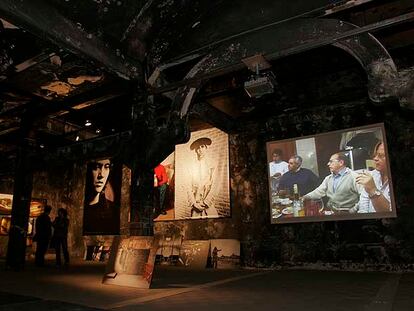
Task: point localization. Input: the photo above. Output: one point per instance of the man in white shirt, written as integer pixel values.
(277, 168)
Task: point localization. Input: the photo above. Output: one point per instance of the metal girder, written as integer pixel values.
(324, 11)
(213, 116)
(293, 38)
(44, 21)
(107, 146)
(33, 61)
(288, 39)
(122, 146)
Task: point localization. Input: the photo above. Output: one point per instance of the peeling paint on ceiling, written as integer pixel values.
(57, 88)
(81, 79)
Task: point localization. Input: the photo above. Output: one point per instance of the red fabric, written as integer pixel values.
(161, 175)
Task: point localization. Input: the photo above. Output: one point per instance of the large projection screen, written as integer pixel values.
(341, 175)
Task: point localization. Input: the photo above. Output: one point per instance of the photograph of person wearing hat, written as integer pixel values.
(202, 172)
(202, 187)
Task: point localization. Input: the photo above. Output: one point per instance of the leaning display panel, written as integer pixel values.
(131, 261)
(340, 175)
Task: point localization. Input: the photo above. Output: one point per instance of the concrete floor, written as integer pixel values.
(79, 288)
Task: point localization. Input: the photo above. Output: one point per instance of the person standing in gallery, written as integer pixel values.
(42, 236)
(215, 256)
(161, 185)
(277, 167)
(100, 215)
(201, 192)
(60, 236)
(376, 194)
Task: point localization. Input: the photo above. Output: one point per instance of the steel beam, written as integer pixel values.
(296, 48)
(213, 116)
(45, 22)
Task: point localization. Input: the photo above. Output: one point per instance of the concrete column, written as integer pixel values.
(23, 182)
(142, 202)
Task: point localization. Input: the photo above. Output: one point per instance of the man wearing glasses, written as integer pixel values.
(340, 187)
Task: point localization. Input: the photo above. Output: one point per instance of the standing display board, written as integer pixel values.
(131, 261)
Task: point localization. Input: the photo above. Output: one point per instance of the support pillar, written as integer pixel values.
(23, 183)
(142, 169)
(142, 203)
(149, 146)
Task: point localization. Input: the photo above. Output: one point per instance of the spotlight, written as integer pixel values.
(88, 123)
(97, 131)
(77, 138)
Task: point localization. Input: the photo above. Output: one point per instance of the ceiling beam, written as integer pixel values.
(45, 22)
(33, 61)
(107, 146)
(56, 108)
(8, 130)
(300, 48)
(88, 103)
(213, 116)
(332, 8)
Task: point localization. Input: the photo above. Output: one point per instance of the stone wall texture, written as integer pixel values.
(357, 244)
(376, 244)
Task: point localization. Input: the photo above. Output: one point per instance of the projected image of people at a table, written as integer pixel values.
(331, 176)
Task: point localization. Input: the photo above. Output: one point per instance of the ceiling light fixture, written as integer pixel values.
(88, 123)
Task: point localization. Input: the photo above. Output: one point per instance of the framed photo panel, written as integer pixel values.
(101, 214)
(202, 176)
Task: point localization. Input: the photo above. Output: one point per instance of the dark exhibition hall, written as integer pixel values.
(207, 155)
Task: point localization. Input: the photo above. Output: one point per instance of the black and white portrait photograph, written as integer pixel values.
(202, 176)
(102, 197)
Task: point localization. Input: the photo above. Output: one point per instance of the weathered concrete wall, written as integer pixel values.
(387, 243)
(64, 186)
(6, 186)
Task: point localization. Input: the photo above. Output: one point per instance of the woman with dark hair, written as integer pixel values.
(60, 236)
(100, 216)
(376, 194)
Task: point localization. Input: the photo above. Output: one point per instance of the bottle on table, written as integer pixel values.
(298, 210)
